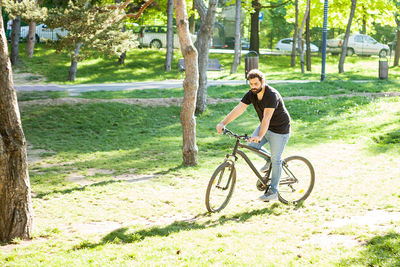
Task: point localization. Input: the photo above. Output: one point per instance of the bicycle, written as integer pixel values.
(296, 183)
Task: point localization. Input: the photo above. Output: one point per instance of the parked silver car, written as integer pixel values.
(360, 44)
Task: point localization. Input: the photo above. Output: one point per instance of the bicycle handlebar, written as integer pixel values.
(241, 137)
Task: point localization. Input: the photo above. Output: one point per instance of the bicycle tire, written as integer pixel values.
(226, 175)
(297, 180)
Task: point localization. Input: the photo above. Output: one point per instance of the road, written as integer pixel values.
(262, 52)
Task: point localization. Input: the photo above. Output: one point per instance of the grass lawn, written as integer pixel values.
(109, 188)
(148, 65)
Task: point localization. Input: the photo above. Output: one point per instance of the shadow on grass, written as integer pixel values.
(124, 236)
(379, 251)
(71, 190)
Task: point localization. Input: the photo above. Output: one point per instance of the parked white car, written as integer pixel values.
(156, 37)
(360, 44)
(287, 43)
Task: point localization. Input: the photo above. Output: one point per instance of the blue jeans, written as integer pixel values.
(277, 143)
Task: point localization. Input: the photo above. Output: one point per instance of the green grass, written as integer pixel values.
(156, 214)
(110, 188)
(148, 65)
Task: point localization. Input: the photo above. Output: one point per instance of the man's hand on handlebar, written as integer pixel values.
(220, 127)
(255, 139)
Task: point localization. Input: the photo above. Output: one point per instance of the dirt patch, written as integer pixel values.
(34, 155)
(83, 180)
(375, 220)
(20, 244)
(27, 78)
(329, 241)
(177, 101)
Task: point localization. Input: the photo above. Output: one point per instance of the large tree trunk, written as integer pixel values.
(31, 39)
(397, 51)
(190, 85)
(207, 20)
(301, 43)
(15, 34)
(308, 42)
(346, 36)
(74, 64)
(254, 30)
(296, 25)
(238, 45)
(16, 210)
(170, 36)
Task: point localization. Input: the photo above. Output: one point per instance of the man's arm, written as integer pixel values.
(268, 112)
(236, 112)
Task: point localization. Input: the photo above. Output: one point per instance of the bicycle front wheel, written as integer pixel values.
(220, 187)
(297, 180)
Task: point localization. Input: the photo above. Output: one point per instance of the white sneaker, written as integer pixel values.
(268, 196)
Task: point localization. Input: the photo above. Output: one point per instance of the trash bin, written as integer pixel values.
(383, 68)
(250, 62)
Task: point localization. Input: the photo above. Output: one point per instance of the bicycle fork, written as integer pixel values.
(231, 168)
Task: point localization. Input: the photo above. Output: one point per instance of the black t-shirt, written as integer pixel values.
(280, 121)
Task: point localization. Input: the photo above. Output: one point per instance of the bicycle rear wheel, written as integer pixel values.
(220, 187)
(297, 180)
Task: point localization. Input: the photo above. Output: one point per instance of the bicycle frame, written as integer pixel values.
(248, 161)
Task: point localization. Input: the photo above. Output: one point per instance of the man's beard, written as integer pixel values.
(256, 90)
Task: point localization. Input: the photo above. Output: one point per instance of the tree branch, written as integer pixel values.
(201, 8)
(137, 15)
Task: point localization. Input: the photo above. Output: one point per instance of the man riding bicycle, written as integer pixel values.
(274, 128)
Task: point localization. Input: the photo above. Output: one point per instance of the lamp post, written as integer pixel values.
(324, 37)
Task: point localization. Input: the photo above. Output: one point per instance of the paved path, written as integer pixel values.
(79, 88)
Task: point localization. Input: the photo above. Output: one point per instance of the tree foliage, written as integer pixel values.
(96, 27)
(27, 9)
(379, 11)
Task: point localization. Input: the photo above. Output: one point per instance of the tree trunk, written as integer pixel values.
(170, 36)
(308, 42)
(15, 34)
(254, 31)
(364, 21)
(74, 64)
(296, 25)
(346, 36)
(31, 39)
(397, 51)
(16, 212)
(190, 85)
(301, 43)
(238, 44)
(207, 20)
(122, 57)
